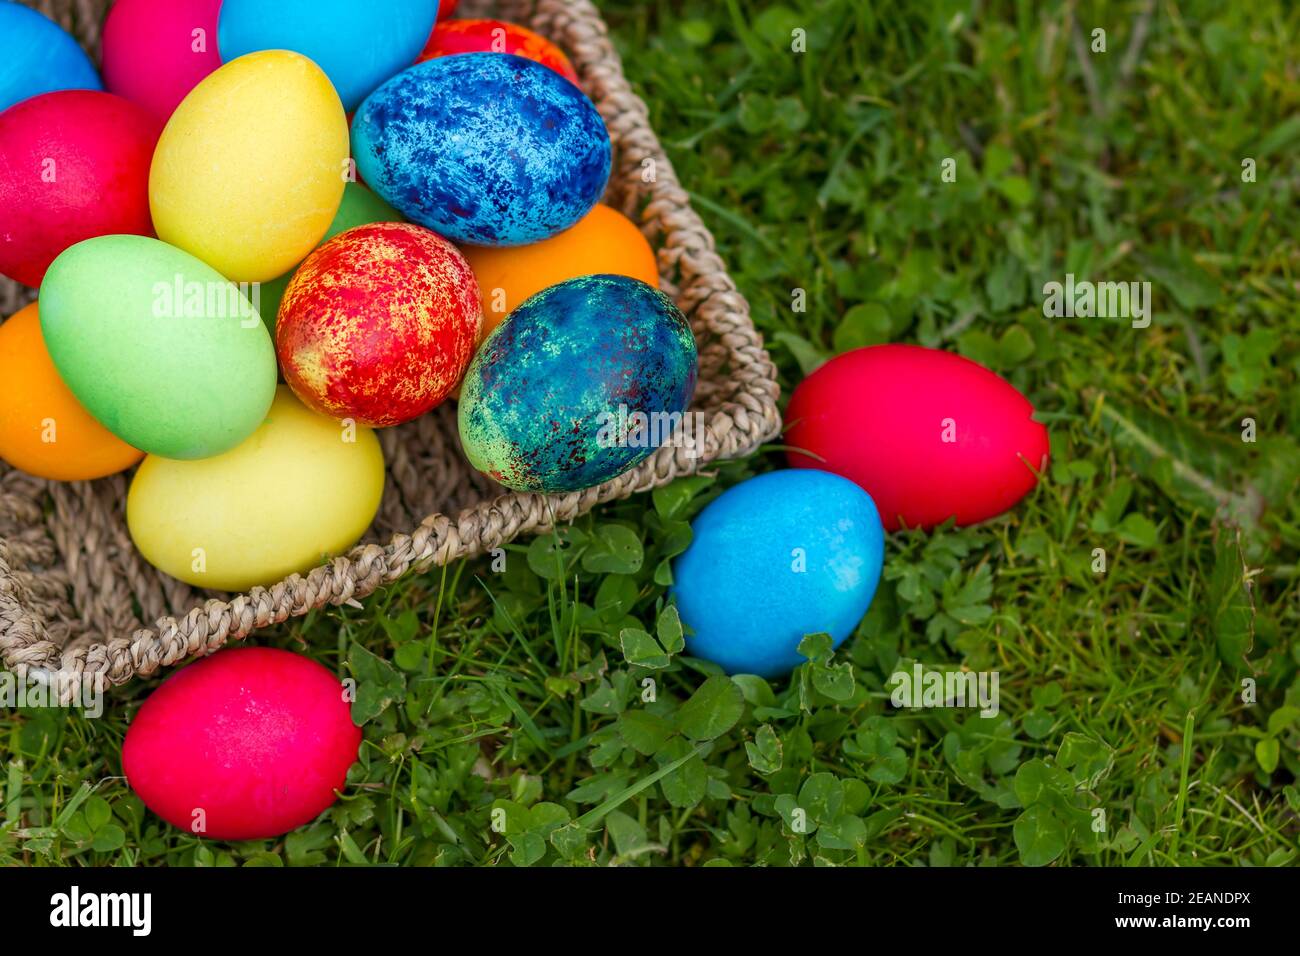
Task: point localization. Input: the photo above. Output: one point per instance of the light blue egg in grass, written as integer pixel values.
(772, 559)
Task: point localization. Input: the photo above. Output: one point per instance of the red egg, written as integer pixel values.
(75, 165)
(930, 435)
(447, 8)
(378, 324)
(243, 745)
(497, 36)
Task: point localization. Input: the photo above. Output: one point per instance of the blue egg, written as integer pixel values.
(578, 384)
(358, 43)
(489, 149)
(772, 559)
(38, 56)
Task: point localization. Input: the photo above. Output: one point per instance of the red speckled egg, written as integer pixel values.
(75, 165)
(378, 324)
(497, 36)
(930, 435)
(243, 745)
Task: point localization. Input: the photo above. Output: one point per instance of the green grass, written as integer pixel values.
(1121, 692)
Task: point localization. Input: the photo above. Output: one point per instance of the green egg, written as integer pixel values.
(158, 346)
(360, 207)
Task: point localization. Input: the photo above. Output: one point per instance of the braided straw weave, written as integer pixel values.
(80, 608)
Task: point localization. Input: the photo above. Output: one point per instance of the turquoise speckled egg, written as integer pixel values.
(579, 383)
(775, 558)
(489, 149)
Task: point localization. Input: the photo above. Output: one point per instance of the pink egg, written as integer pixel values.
(246, 744)
(156, 51)
(75, 165)
(928, 434)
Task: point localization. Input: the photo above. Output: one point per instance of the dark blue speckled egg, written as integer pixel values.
(489, 149)
(580, 383)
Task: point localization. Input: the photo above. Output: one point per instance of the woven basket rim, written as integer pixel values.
(704, 290)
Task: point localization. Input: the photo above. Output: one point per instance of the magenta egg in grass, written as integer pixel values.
(246, 744)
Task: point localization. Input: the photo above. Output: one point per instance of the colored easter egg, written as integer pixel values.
(160, 348)
(302, 487)
(244, 745)
(359, 207)
(156, 51)
(76, 165)
(497, 36)
(603, 242)
(358, 44)
(38, 56)
(930, 435)
(43, 428)
(378, 324)
(249, 170)
(772, 559)
(484, 148)
(446, 8)
(579, 384)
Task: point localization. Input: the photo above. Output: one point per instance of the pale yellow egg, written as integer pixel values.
(249, 171)
(300, 489)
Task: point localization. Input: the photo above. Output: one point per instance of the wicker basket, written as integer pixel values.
(81, 609)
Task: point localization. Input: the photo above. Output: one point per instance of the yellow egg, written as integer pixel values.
(249, 170)
(301, 488)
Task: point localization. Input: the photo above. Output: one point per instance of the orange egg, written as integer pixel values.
(603, 241)
(43, 429)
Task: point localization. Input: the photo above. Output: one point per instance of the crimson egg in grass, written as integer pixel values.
(930, 435)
